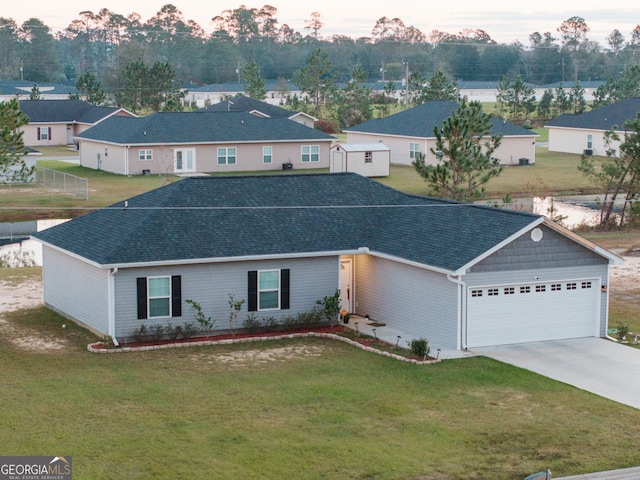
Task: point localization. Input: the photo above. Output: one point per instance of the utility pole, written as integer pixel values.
(406, 84)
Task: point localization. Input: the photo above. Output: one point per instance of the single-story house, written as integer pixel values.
(264, 109)
(22, 89)
(459, 275)
(583, 133)
(411, 131)
(56, 122)
(370, 160)
(204, 95)
(202, 141)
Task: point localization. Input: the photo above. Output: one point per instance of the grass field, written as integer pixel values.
(316, 409)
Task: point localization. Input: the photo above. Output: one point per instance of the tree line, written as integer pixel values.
(104, 42)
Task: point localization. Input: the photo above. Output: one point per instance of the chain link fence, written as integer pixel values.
(60, 182)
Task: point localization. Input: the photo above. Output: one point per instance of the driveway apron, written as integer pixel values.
(596, 365)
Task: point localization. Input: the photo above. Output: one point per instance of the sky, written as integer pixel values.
(505, 20)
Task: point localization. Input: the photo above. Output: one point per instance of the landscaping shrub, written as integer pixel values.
(156, 332)
(419, 347)
(189, 330)
(173, 332)
(252, 323)
(141, 333)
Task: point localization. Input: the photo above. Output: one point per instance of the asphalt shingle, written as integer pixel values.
(222, 217)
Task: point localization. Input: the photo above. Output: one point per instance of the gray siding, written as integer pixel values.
(310, 279)
(553, 251)
(413, 300)
(75, 289)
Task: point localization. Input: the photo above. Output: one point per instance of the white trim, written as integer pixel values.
(279, 289)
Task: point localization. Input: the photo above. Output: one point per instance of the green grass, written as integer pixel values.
(553, 174)
(345, 413)
(104, 189)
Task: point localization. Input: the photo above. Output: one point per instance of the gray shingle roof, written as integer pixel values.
(64, 111)
(603, 118)
(200, 127)
(248, 104)
(420, 121)
(212, 217)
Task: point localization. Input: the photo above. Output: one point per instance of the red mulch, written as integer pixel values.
(227, 336)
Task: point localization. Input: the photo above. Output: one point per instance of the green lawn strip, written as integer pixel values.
(337, 412)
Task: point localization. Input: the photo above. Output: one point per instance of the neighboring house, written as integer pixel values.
(584, 133)
(411, 131)
(370, 160)
(56, 122)
(202, 142)
(202, 96)
(263, 109)
(30, 161)
(459, 275)
(21, 89)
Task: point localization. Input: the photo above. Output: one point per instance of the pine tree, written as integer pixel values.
(12, 165)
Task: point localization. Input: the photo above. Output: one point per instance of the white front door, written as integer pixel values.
(346, 285)
(184, 160)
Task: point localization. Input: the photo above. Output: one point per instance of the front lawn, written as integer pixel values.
(310, 408)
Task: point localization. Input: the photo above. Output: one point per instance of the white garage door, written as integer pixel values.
(505, 314)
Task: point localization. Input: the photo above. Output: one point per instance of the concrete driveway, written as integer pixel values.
(593, 364)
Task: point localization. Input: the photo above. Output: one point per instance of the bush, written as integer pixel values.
(419, 347)
(189, 330)
(141, 333)
(270, 324)
(173, 332)
(252, 323)
(156, 332)
(623, 331)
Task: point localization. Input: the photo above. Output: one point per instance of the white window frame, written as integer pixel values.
(310, 153)
(267, 154)
(44, 133)
(269, 290)
(145, 154)
(368, 157)
(590, 141)
(158, 297)
(106, 151)
(413, 149)
(227, 156)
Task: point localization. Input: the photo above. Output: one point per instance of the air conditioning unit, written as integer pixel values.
(588, 152)
(523, 161)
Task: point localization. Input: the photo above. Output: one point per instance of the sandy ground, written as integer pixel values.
(623, 278)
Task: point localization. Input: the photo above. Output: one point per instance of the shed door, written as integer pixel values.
(338, 162)
(505, 314)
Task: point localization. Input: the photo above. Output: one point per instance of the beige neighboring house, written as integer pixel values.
(410, 132)
(202, 142)
(263, 109)
(367, 159)
(584, 133)
(57, 122)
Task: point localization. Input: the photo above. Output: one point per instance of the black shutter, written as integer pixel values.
(176, 296)
(252, 293)
(38, 133)
(284, 289)
(49, 133)
(142, 298)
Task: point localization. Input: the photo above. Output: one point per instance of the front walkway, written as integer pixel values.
(393, 337)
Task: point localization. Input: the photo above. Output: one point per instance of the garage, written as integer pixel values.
(507, 314)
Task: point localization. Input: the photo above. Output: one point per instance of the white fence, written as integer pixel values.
(63, 182)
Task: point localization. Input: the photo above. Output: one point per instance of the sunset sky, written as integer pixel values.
(505, 21)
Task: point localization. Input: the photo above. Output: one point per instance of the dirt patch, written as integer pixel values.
(625, 278)
(27, 294)
(247, 357)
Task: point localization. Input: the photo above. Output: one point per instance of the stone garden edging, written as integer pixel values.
(91, 347)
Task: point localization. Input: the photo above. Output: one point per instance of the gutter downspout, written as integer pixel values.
(112, 306)
(462, 321)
